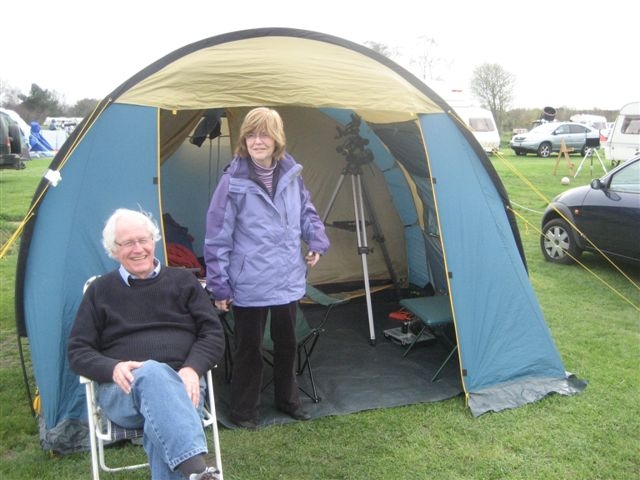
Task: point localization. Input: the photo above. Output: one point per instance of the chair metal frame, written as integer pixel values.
(103, 432)
(435, 314)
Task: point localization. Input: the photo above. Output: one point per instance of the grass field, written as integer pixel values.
(593, 312)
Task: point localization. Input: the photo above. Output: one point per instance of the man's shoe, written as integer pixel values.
(298, 414)
(209, 473)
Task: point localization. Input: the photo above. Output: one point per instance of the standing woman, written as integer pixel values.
(259, 213)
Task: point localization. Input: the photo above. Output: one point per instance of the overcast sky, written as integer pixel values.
(562, 53)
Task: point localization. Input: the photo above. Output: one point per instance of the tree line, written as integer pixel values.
(41, 103)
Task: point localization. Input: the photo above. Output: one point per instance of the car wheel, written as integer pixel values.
(16, 139)
(557, 242)
(544, 150)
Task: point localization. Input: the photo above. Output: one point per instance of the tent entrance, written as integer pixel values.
(352, 376)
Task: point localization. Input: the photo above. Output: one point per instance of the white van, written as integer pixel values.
(594, 121)
(624, 140)
(481, 123)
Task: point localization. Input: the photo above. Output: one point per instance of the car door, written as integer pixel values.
(610, 216)
(577, 137)
(559, 134)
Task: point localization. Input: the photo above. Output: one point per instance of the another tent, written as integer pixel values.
(440, 206)
(37, 142)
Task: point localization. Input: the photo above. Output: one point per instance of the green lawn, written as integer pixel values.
(593, 312)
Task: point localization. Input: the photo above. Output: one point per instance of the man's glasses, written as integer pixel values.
(144, 241)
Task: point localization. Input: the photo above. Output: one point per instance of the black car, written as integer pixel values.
(604, 214)
(12, 145)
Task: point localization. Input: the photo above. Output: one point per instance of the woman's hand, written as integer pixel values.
(223, 304)
(312, 258)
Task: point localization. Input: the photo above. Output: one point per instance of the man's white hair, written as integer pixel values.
(132, 216)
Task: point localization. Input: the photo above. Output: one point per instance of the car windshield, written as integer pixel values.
(544, 128)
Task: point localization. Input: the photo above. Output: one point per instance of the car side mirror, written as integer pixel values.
(596, 184)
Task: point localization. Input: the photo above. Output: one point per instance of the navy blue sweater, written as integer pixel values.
(168, 318)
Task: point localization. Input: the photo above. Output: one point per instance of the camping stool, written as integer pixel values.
(435, 315)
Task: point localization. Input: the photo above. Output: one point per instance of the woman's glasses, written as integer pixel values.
(256, 135)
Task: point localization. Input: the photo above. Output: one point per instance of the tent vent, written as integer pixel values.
(449, 274)
(155, 180)
(464, 372)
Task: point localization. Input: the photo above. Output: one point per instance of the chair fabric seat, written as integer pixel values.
(432, 311)
(435, 314)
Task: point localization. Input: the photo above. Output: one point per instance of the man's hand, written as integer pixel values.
(191, 383)
(122, 375)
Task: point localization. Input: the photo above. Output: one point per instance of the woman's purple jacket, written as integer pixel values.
(252, 245)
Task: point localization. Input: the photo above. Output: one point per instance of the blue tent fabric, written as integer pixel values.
(73, 232)
(450, 208)
(37, 142)
(477, 258)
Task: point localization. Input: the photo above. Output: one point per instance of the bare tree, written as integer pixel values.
(381, 48)
(8, 95)
(426, 60)
(493, 86)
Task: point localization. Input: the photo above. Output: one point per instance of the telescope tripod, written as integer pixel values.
(589, 153)
(360, 198)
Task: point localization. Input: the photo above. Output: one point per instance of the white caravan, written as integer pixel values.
(481, 123)
(624, 140)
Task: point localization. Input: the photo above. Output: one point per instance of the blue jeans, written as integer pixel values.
(159, 404)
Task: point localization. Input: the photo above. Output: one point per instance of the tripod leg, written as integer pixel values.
(581, 163)
(332, 200)
(379, 236)
(604, 169)
(363, 249)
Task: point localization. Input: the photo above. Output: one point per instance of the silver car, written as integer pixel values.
(547, 138)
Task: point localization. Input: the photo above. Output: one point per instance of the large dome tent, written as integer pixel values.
(440, 204)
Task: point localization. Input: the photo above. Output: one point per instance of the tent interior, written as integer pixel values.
(189, 176)
(317, 138)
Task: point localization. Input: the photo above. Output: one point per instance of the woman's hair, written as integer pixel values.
(131, 216)
(262, 120)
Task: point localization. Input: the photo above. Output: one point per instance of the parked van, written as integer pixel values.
(481, 123)
(594, 121)
(624, 140)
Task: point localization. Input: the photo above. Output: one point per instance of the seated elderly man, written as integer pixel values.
(147, 334)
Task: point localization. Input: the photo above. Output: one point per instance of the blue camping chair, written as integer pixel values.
(435, 315)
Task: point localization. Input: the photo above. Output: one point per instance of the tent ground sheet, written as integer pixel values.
(351, 374)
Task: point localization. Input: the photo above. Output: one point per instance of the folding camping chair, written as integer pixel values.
(435, 315)
(103, 431)
(306, 336)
